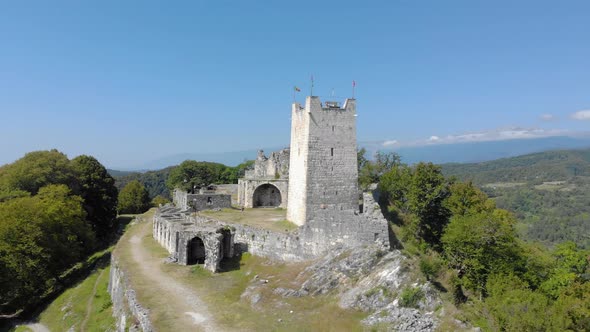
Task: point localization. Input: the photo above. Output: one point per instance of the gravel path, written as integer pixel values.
(178, 296)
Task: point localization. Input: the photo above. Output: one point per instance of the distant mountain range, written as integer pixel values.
(485, 151)
(436, 153)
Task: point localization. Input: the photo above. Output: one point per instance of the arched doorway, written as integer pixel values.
(226, 245)
(266, 195)
(195, 251)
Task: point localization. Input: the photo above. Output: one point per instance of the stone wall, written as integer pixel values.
(247, 187)
(323, 160)
(275, 166)
(126, 309)
(205, 201)
(273, 170)
(296, 209)
(175, 230)
(330, 230)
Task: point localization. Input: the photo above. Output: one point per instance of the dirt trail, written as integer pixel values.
(89, 304)
(193, 310)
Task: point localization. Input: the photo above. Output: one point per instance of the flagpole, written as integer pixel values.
(311, 85)
(353, 86)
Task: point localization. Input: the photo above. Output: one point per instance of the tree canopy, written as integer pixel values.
(35, 170)
(40, 237)
(99, 194)
(52, 212)
(133, 198)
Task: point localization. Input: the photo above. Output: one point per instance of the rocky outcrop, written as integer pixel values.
(130, 315)
(372, 280)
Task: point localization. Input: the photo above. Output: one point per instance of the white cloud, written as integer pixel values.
(581, 115)
(547, 117)
(500, 134)
(390, 143)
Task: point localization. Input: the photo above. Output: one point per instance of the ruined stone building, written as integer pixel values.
(316, 179)
(207, 198)
(267, 184)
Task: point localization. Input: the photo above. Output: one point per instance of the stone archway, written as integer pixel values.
(266, 195)
(195, 251)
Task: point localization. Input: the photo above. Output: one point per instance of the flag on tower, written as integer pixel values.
(353, 83)
(296, 89)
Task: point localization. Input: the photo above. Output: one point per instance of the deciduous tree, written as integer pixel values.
(133, 198)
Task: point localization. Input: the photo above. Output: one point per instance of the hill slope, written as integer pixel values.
(549, 192)
(543, 166)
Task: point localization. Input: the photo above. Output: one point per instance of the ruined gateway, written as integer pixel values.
(316, 180)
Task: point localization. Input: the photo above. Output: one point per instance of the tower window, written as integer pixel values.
(332, 128)
(332, 152)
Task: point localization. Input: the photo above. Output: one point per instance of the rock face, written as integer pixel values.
(370, 279)
(129, 313)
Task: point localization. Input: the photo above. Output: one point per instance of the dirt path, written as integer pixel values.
(89, 304)
(178, 296)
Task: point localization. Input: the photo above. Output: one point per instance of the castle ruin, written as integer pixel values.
(316, 179)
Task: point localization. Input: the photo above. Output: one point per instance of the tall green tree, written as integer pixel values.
(40, 237)
(394, 187)
(133, 198)
(99, 193)
(465, 199)
(426, 196)
(35, 170)
(192, 174)
(370, 171)
(478, 245)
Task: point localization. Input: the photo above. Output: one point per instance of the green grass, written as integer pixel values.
(70, 308)
(268, 218)
(286, 225)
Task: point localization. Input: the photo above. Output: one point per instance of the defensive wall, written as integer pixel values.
(175, 229)
(203, 200)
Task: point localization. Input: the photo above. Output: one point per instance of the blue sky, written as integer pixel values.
(131, 81)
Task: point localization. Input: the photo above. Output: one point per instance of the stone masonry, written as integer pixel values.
(190, 242)
(204, 200)
(267, 184)
(174, 230)
(323, 161)
(316, 179)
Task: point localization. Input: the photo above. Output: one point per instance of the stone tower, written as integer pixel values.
(323, 173)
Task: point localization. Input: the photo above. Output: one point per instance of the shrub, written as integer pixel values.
(430, 267)
(410, 297)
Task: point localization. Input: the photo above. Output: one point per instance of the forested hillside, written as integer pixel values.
(549, 192)
(153, 181)
(470, 248)
(187, 174)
